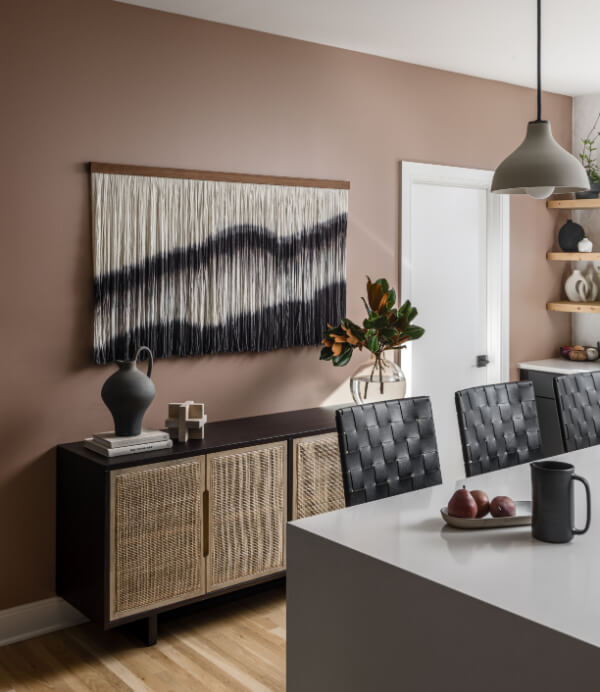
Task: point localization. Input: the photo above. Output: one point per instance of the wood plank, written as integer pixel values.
(573, 204)
(568, 306)
(157, 172)
(25, 673)
(92, 673)
(237, 645)
(573, 256)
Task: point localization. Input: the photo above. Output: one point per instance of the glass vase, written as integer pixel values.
(378, 380)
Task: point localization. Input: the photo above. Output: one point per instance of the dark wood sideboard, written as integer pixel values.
(141, 534)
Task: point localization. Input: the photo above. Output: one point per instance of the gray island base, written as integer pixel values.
(385, 597)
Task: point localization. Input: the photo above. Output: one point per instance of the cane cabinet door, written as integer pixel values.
(156, 535)
(318, 484)
(247, 512)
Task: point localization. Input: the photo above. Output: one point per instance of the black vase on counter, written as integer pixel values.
(127, 393)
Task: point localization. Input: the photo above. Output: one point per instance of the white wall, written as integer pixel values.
(586, 328)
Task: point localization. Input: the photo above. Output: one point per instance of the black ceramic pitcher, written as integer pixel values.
(128, 393)
(553, 510)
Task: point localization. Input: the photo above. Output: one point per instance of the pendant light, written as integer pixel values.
(539, 166)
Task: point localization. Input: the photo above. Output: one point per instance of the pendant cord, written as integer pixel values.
(539, 60)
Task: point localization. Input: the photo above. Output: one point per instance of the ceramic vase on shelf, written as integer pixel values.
(590, 275)
(577, 288)
(127, 393)
(377, 380)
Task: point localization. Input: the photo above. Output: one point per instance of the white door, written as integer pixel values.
(454, 269)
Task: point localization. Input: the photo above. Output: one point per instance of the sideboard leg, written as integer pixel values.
(147, 630)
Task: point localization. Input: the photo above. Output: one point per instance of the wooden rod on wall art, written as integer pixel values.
(153, 171)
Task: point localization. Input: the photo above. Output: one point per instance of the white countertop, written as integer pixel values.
(560, 366)
(557, 586)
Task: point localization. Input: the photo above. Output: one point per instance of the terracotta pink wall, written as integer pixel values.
(97, 80)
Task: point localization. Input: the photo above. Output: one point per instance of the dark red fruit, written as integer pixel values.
(483, 502)
(462, 505)
(503, 506)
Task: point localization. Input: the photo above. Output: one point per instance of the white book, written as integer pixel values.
(90, 443)
(112, 441)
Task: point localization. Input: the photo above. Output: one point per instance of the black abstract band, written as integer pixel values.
(192, 267)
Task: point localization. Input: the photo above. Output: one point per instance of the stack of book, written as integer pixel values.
(110, 445)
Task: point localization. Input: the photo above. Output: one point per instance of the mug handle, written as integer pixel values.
(588, 503)
(150, 359)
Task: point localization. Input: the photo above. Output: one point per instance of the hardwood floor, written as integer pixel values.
(237, 645)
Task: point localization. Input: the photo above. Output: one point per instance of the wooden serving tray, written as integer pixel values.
(521, 518)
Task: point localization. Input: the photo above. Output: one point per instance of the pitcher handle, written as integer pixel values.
(150, 360)
(588, 503)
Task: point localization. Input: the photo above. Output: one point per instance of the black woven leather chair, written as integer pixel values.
(578, 401)
(387, 448)
(499, 426)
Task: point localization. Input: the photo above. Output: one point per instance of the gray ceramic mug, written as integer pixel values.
(553, 507)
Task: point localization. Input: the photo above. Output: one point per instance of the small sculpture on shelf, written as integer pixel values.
(186, 421)
(581, 286)
(585, 245)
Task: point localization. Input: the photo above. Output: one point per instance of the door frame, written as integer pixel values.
(498, 258)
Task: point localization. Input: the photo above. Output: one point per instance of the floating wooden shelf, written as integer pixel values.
(568, 306)
(573, 204)
(573, 256)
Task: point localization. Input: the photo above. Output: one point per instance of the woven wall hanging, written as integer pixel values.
(191, 263)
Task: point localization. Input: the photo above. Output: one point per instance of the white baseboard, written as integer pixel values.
(36, 618)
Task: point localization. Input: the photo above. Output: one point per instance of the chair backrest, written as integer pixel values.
(498, 425)
(387, 448)
(578, 401)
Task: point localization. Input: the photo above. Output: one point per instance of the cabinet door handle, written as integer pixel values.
(205, 501)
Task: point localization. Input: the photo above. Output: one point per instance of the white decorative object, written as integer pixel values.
(592, 353)
(577, 288)
(186, 421)
(590, 277)
(584, 245)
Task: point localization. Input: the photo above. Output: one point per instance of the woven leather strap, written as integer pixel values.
(578, 399)
(387, 448)
(498, 425)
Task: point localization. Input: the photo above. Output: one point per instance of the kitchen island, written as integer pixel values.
(384, 596)
(542, 374)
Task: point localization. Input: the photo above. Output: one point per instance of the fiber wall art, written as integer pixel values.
(189, 265)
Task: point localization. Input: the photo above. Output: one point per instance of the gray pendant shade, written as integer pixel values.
(539, 162)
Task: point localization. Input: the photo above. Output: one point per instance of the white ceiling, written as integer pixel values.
(494, 39)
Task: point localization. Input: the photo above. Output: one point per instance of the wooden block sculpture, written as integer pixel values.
(186, 421)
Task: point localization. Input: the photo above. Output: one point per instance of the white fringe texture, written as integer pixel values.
(189, 267)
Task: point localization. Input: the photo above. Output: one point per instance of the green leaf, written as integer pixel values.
(404, 308)
(391, 301)
(414, 332)
(388, 335)
(326, 353)
(375, 322)
(335, 330)
(385, 287)
(344, 357)
(372, 340)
